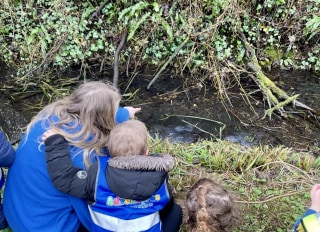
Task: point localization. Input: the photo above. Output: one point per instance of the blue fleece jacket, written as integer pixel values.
(7, 155)
(31, 202)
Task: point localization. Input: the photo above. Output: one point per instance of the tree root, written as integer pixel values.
(270, 90)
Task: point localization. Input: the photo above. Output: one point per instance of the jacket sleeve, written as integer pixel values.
(122, 115)
(64, 175)
(7, 152)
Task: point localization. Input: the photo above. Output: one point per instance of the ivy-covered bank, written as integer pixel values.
(202, 40)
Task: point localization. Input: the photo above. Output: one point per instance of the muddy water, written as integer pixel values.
(197, 113)
(191, 114)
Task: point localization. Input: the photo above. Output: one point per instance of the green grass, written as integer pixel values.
(272, 185)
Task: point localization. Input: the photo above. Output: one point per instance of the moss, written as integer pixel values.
(273, 53)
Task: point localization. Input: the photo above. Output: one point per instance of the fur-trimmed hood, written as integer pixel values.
(138, 177)
(155, 162)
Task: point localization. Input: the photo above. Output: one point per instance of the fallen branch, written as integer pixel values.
(269, 111)
(116, 59)
(97, 12)
(167, 62)
(270, 90)
(43, 65)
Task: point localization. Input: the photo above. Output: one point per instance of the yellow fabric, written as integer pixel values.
(309, 224)
(300, 228)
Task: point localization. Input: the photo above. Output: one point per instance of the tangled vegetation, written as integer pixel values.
(201, 40)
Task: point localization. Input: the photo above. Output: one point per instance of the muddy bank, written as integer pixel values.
(166, 105)
(194, 113)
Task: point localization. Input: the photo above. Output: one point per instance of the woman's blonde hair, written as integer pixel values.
(85, 118)
(210, 207)
(128, 138)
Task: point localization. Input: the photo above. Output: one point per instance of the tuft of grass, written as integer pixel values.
(272, 184)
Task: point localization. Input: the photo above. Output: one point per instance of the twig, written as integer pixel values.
(187, 116)
(97, 12)
(189, 123)
(116, 59)
(175, 92)
(48, 56)
(287, 164)
(167, 62)
(273, 198)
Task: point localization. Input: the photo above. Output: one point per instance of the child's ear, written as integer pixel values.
(147, 152)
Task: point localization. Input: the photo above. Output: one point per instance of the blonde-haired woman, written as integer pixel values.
(210, 207)
(85, 119)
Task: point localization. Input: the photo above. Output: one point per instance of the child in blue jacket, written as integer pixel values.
(7, 155)
(310, 220)
(127, 191)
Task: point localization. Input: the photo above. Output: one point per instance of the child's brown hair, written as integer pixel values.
(210, 207)
(128, 138)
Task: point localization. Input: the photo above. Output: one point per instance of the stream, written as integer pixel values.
(194, 113)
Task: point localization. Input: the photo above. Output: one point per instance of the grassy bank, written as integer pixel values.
(272, 184)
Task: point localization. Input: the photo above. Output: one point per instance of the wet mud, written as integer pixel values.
(196, 112)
